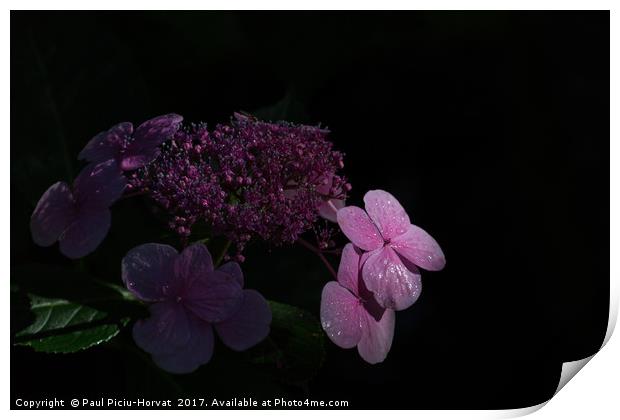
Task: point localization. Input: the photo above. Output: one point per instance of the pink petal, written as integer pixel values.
(192, 265)
(147, 139)
(387, 213)
(393, 284)
(214, 298)
(249, 326)
(54, 212)
(420, 248)
(166, 331)
(197, 351)
(107, 144)
(341, 315)
(376, 337)
(233, 270)
(356, 225)
(329, 209)
(85, 233)
(349, 268)
(364, 258)
(147, 271)
(324, 184)
(99, 185)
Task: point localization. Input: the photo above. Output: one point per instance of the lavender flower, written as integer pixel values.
(78, 217)
(188, 299)
(247, 179)
(131, 150)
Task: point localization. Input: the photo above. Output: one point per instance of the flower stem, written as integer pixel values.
(333, 207)
(221, 255)
(319, 254)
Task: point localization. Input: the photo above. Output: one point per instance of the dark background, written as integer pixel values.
(492, 129)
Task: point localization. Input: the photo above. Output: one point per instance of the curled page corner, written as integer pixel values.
(570, 369)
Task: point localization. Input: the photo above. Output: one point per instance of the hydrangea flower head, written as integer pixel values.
(131, 150)
(394, 246)
(78, 217)
(351, 316)
(189, 299)
(239, 177)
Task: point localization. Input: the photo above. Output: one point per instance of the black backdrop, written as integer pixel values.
(492, 129)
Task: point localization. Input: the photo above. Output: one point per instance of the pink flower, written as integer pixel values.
(394, 248)
(351, 316)
(188, 300)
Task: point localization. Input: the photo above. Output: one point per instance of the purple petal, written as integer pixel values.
(148, 271)
(393, 284)
(192, 265)
(233, 270)
(99, 185)
(107, 144)
(195, 353)
(85, 233)
(349, 268)
(376, 337)
(329, 209)
(147, 139)
(420, 248)
(291, 193)
(341, 315)
(158, 129)
(357, 226)
(54, 212)
(387, 213)
(249, 326)
(166, 331)
(242, 117)
(214, 298)
(133, 159)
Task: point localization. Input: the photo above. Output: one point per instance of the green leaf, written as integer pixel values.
(61, 326)
(69, 311)
(63, 283)
(295, 347)
(21, 315)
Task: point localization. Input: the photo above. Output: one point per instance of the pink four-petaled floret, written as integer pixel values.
(351, 316)
(394, 248)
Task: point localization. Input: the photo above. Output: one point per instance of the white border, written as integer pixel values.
(593, 395)
(311, 5)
